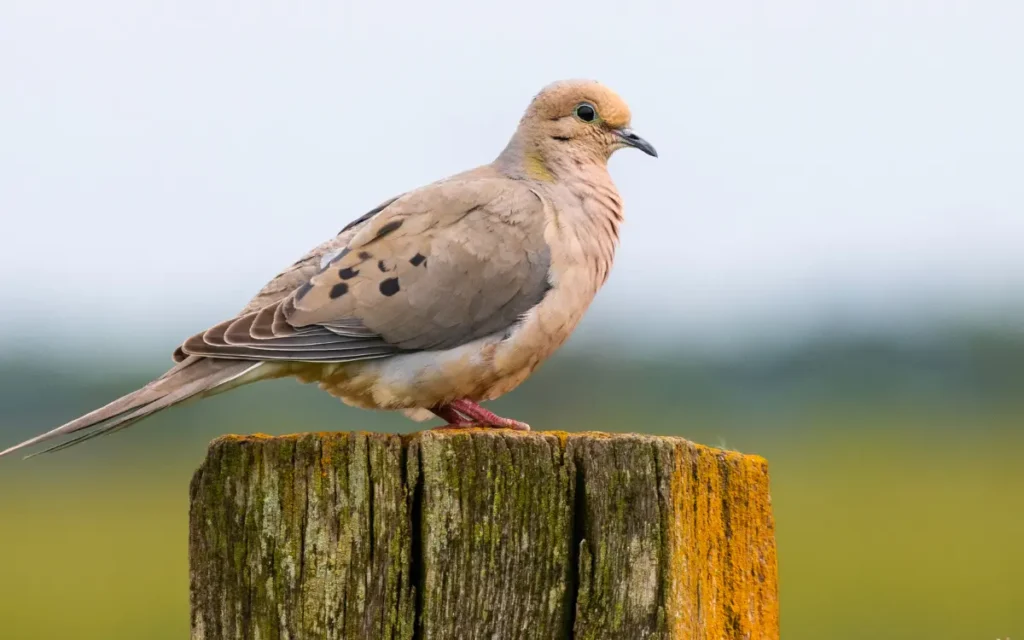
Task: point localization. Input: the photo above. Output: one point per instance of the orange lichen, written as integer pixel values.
(721, 538)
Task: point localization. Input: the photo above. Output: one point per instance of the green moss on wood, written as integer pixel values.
(301, 537)
(496, 531)
(480, 534)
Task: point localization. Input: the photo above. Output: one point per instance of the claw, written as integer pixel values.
(463, 414)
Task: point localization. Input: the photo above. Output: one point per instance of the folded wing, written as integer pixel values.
(433, 269)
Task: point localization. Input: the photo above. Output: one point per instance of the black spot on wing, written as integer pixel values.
(338, 290)
(389, 227)
(417, 259)
(365, 255)
(348, 273)
(389, 287)
(383, 266)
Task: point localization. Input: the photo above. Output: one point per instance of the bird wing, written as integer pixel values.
(432, 269)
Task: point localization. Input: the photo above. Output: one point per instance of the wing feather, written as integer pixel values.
(432, 269)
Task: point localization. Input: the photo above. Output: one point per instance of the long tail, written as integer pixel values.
(192, 377)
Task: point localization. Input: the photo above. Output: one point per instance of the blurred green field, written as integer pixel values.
(899, 515)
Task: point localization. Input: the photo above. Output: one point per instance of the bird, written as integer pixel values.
(437, 299)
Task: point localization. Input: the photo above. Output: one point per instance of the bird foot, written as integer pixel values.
(515, 425)
(463, 414)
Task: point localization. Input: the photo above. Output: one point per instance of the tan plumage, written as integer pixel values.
(440, 298)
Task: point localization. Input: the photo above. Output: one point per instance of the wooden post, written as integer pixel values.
(480, 534)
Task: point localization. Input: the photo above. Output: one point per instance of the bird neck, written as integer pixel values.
(529, 156)
(571, 174)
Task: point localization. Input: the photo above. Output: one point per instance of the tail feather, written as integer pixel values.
(193, 377)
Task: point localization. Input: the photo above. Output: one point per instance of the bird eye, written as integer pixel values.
(586, 112)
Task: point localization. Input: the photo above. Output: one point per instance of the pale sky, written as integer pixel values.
(820, 161)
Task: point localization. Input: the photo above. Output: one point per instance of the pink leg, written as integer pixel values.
(466, 413)
(448, 413)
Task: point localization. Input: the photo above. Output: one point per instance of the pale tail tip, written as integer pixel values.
(20, 446)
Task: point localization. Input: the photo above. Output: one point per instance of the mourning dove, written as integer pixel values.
(443, 297)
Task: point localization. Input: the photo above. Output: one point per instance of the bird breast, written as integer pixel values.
(581, 227)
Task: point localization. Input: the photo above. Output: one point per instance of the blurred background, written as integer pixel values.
(825, 267)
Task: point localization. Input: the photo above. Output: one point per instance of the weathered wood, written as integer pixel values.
(480, 534)
(301, 537)
(677, 541)
(495, 535)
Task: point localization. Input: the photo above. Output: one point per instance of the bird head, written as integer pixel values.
(582, 116)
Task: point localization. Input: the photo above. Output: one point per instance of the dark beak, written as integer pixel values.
(630, 139)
